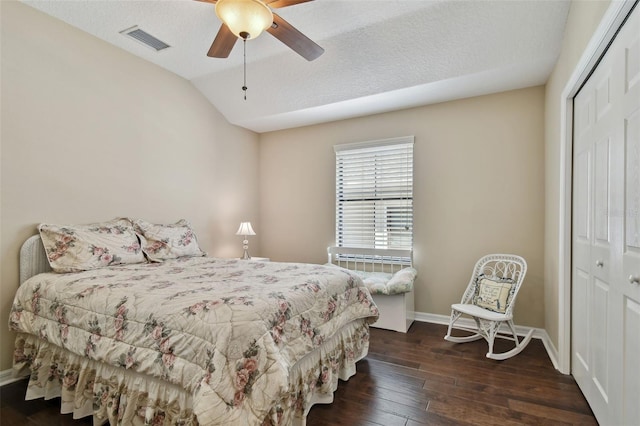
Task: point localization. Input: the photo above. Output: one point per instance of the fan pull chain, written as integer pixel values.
(244, 87)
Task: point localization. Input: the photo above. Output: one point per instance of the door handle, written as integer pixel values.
(599, 263)
(634, 279)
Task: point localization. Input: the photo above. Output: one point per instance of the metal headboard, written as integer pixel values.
(370, 260)
(33, 259)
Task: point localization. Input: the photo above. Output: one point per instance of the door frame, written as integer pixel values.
(609, 26)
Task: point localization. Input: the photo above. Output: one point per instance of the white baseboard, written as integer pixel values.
(538, 333)
(551, 351)
(7, 377)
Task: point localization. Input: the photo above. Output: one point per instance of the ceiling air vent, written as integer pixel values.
(145, 38)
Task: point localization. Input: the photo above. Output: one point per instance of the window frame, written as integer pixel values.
(382, 187)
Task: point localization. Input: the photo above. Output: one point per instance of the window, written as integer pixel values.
(374, 194)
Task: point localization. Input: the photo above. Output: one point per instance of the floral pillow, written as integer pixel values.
(493, 293)
(75, 248)
(162, 242)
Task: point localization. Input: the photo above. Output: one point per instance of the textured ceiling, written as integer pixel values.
(379, 55)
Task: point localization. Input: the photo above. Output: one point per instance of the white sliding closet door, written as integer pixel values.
(605, 353)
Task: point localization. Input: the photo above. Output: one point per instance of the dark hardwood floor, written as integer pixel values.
(408, 380)
(418, 378)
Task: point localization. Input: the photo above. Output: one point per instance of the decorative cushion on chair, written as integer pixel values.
(493, 293)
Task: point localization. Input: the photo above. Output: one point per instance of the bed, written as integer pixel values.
(187, 340)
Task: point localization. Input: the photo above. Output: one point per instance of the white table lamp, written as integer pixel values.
(245, 230)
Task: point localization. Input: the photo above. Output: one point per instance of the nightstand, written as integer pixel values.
(259, 259)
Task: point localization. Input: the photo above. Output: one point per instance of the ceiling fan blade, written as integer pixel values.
(208, 1)
(276, 4)
(298, 42)
(223, 43)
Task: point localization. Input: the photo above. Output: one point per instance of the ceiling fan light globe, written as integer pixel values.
(245, 18)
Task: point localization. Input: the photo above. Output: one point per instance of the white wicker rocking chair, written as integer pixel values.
(485, 300)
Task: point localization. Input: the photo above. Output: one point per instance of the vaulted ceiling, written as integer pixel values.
(380, 55)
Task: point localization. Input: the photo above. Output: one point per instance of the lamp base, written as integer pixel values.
(245, 246)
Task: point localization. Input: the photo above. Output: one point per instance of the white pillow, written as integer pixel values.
(402, 281)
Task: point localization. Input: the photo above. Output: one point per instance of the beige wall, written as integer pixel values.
(479, 188)
(486, 173)
(584, 17)
(90, 132)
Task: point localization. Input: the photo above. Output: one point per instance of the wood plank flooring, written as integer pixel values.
(418, 378)
(410, 379)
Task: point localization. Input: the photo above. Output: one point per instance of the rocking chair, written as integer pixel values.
(489, 299)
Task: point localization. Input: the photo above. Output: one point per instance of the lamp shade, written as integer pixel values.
(245, 229)
(245, 18)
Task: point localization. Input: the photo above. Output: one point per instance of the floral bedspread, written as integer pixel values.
(227, 331)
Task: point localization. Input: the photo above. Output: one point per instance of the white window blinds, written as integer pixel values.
(374, 194)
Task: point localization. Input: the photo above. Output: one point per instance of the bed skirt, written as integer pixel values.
(119, 396)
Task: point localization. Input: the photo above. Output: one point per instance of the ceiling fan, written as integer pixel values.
(246, 19)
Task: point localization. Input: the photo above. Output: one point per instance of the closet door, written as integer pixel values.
(592, 251)
(630, 224)
(606, 233)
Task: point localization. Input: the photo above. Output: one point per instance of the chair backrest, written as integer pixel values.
(498, 266)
